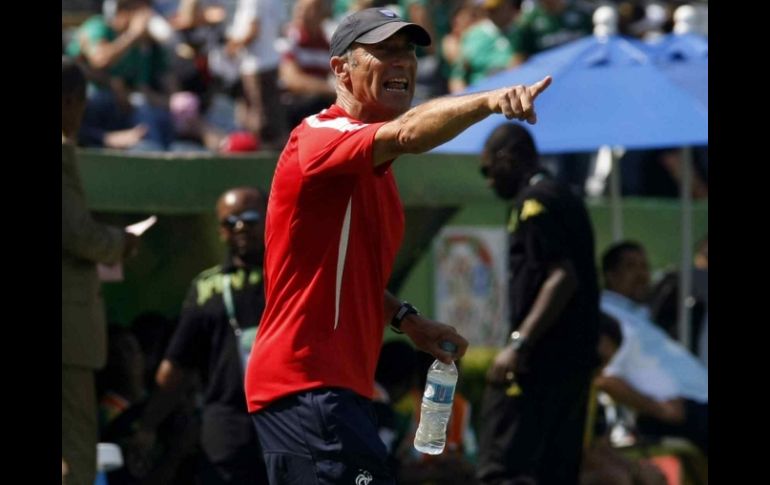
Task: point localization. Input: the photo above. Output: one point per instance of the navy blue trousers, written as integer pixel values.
(324, 437)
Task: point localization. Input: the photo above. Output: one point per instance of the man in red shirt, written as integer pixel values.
(334, 225)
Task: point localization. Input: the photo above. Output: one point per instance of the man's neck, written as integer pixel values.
(525, 181)
(358, 111)
(535, 176)
(246, 261)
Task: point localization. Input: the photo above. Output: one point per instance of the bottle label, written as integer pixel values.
(439, 393)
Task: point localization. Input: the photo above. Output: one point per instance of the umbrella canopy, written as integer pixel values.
(684, 58)
(605, 91)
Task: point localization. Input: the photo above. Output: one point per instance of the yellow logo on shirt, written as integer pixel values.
(531, 208)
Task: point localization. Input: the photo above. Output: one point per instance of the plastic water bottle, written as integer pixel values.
(436, 405)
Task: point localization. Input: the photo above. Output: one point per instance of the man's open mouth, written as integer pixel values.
(398, 84)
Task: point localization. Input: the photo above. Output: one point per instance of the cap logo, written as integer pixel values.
(388, 13)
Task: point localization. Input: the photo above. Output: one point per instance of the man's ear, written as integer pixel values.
(340, 67)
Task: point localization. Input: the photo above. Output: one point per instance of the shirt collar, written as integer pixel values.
(228, 265)
(626, 304)
(537, 177)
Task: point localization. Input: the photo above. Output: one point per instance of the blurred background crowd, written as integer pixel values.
(235, 76)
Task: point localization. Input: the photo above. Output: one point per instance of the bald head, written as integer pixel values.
(239, 199)
(241, 215)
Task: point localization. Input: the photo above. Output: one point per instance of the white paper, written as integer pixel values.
(114, 272)
(138, 228)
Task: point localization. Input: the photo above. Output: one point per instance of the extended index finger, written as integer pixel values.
(539, 87)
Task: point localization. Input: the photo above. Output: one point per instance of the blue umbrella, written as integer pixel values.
(684, 58)
(605, 91)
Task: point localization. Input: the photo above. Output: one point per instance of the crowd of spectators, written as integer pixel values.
(238, 75)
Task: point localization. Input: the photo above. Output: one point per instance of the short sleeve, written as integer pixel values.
(337, 146)
(187, 344)
(543, 233)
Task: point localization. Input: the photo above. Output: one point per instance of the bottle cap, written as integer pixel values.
(448, 346)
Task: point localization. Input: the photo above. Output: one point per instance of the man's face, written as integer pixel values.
(631, 278)
(383, 75)
(503, 175)
(241, 215)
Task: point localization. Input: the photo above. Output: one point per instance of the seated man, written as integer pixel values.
(648, 371)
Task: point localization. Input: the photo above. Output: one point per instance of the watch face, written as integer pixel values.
(518, 340)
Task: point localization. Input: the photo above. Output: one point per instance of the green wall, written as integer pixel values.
(436, 190)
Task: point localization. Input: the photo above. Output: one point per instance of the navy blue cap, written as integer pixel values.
(373, 25)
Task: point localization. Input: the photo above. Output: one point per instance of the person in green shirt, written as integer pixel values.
(127, 70)
(549, 24)
(484, 50)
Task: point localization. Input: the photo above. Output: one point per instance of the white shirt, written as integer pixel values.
(648, 359)
(271, 15)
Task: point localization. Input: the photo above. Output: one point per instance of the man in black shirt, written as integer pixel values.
(216, 329)
(534, 407)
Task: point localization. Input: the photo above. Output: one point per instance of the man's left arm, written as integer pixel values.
(426, 334)
(557, 289)
(553, 295)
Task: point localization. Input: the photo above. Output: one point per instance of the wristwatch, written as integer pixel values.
(405, 309)
(519, 341)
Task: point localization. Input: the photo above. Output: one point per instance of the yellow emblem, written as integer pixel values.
(513, 390)
(531, 208)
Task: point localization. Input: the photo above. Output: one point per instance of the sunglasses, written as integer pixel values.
(247, 217)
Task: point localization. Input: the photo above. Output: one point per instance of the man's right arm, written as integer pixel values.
(552, 297)
(82, 236)
(426, 334)
(171, 380)
(671, 411)
(433, 123)
(103, 54)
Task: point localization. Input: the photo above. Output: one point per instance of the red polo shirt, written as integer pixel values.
(334, 225)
